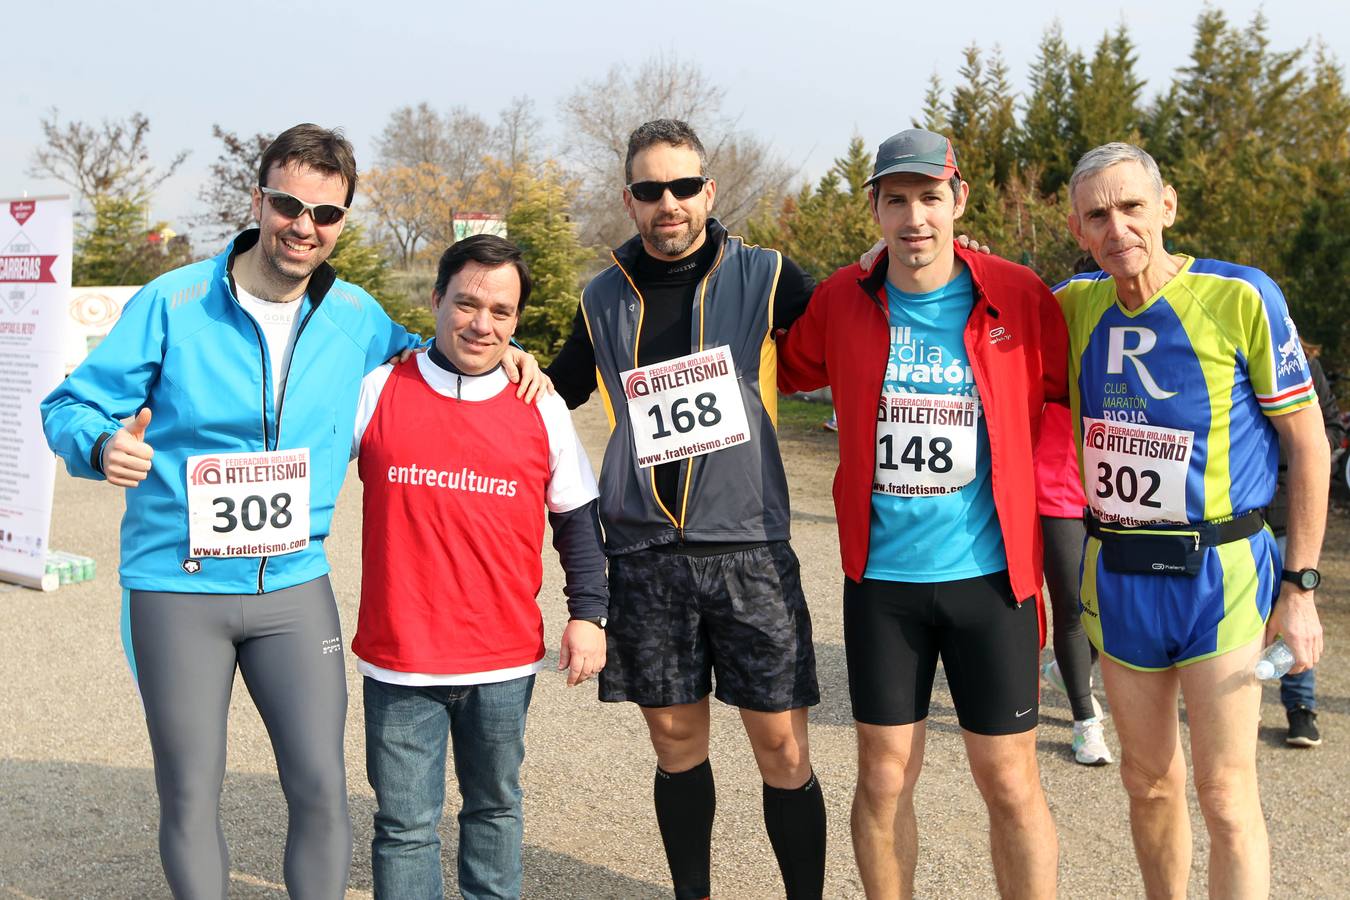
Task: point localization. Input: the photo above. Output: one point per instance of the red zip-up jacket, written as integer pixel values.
(1017, 343)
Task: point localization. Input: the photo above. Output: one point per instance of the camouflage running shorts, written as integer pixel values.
(675, 619)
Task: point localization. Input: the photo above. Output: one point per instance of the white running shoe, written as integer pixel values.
(1053, 677)
(1089, 740)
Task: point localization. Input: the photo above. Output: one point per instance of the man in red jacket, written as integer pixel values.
(940, 361)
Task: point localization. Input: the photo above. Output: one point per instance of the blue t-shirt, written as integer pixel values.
(933, 516)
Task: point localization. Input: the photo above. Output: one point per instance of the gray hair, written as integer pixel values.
(1107, 155)
(673, 132)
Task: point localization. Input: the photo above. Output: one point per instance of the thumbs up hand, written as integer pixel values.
(126, 456)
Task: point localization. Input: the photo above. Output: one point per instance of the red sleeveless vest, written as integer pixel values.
(453, 530)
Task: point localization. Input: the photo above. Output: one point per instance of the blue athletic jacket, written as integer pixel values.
(185, 348)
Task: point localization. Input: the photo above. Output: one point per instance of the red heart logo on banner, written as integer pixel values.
(22, 210)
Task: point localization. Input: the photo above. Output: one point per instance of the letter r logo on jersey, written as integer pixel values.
(1116, 354)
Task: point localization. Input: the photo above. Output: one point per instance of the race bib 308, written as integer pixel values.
(248, 504)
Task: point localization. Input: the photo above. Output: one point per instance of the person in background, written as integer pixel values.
(1298, 692)
(1060, 501)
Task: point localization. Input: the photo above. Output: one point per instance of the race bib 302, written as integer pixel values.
(1135, 474)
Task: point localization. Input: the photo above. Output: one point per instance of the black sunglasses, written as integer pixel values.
(291, 207)
(680, 188)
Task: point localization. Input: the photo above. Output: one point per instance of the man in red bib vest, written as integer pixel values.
(458, 473)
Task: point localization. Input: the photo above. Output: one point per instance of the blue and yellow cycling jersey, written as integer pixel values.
(1170, 400)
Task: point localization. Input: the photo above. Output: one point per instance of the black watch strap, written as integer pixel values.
(598, 621)
(1305, 579)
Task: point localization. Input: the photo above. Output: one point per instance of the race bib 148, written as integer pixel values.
(925, 444)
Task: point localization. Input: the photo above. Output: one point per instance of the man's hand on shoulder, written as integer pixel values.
(126, 455)
(969, 243)
(582, 652)
(404, 355)
(523, 369)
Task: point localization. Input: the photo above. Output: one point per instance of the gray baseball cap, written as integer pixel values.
(915, 150)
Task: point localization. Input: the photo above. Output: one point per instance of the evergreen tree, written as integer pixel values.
(119, 247)
(1000, 134)
(541, 225)
(1322, 113)
(829, 227)
(936, 114)
(1051, 131)
(359, 261)
(1107, 93)
(1318, 260)
(984, 132)
(1239, 175)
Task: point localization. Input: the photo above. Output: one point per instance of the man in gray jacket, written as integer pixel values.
(694, 502)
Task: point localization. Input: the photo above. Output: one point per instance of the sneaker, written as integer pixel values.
(830, 424)
(1053, 677)
(1302, 727)
(1089, 741)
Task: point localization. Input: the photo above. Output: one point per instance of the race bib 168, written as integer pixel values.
(685, 407)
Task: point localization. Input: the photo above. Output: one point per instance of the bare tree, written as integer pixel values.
(515, 144)
(111, 159)
(420, 147)
(228, 188)
(602, 113)
(468, 141)
(411, 204)
(413, 135)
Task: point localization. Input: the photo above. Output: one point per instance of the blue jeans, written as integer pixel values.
(1299, 690)
(406, 735)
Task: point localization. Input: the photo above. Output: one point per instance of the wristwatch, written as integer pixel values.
(598, 621)
(1305, 579)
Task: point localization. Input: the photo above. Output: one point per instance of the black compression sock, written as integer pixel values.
(685, 803)
(795, 820)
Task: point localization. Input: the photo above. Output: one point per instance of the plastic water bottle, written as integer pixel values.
(1275, 662)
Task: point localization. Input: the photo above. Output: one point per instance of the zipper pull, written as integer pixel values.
(459, 387)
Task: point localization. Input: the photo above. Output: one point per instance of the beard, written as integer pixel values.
(277, 269)
(674, 244)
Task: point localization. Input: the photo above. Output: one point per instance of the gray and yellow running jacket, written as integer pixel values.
(734, 494)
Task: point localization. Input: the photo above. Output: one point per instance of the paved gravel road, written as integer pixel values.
(77, 798)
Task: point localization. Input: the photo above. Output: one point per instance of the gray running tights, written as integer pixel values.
(183, 650)
(1073, 652)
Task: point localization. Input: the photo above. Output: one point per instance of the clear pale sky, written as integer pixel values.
(803, 76)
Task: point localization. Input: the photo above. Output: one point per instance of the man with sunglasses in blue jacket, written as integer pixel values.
(224, 399)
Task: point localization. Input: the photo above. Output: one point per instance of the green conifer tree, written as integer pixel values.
(540, 223)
